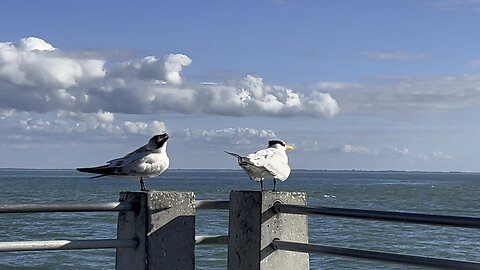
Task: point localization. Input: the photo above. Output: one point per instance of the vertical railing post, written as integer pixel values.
(132, 224)
(164, 225)
(253, 225)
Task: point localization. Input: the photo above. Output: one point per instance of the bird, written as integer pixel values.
(271, 162)
(147, 161)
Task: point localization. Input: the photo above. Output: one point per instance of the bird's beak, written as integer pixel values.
(290, 147)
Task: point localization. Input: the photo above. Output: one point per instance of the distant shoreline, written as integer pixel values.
(229, 169)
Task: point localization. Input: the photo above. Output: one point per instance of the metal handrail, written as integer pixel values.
(458, 221)
(210, 204)
(211, 240)
(67, 244)
(66, 207)
(375, 255)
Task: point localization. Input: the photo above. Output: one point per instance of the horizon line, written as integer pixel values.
(239, 169)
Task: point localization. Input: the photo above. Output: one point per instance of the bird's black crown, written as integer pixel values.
(273, 142)
(160, 139)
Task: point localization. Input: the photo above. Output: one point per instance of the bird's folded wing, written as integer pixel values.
(261, 157)
(278, 166)
(273, 161)
(128, 157)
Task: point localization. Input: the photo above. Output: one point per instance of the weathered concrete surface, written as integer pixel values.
(253, 226)
(286, 227)
(171, 230)
(132, 225)
(165, 228)
(244, 230)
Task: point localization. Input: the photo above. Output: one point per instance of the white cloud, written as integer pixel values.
(375, 152)
(361, 150)
(150, 68)
(394, 55)
(154, 127)
(35, 63)
(231, 137)
(98, 124)
(5, 113)
(79, 83)
(400, 151)
(441, 155)
(414, 96)
(338, 85)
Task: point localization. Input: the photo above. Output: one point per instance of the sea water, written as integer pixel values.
(422, 192)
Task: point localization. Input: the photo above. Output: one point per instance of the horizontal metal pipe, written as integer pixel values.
(458, 221)
(206, 204)
(66, 207)
(67, 244)
(375, 255)
(211, 240)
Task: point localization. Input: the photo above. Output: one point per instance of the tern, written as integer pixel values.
(147, 161)
(271, 162)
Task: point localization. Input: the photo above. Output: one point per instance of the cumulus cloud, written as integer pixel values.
(373, 152)
(5, 113)
(37, 77)
(231, 137)
(338, 85)
(98, 123)
(441, 155)
(400, 151)
(355, 149)
(150, 68)
(413, 96)
(33, 62)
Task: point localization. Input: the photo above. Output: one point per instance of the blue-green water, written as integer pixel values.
(435, 193)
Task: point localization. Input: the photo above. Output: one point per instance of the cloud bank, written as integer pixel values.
(228, 137)
(37, 77)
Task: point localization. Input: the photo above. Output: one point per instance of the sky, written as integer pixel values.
(365, 85)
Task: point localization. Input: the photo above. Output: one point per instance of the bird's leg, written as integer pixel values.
(274, 183)
(142, 185)
(261, 184)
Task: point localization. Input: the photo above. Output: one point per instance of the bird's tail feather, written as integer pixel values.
(233, 154)
(241, 160)
(103, 170)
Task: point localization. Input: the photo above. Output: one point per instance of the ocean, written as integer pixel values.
(442, 193)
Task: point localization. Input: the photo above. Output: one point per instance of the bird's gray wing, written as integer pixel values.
(118, 166)
(128, 158)
(273, 160)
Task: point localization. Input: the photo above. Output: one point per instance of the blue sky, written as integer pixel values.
(374, 85)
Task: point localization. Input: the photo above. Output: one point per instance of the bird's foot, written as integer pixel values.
(142, 185)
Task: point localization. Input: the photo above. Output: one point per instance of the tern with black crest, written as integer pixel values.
(147, 161)
(271, 162)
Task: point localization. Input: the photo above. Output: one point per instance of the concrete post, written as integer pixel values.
(253, 225)
(165, 228)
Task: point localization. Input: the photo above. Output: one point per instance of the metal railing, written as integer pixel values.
(63, 207)
(67, 244)
(14, 246)
(404, 217)
(133, 212)
(440, 220)
(211, 239)
(374, 255)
